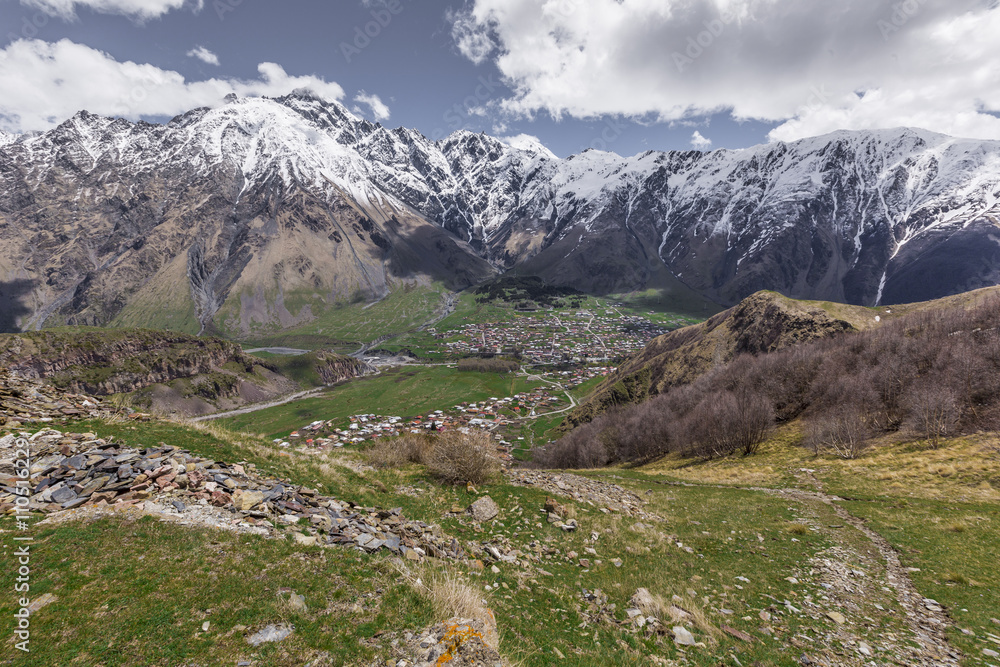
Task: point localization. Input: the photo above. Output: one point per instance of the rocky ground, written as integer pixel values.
(602, 495)
(81, 470)
(858, 584)
(25, 402)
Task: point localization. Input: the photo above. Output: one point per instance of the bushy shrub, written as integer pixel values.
(397, 452)
(457, 458)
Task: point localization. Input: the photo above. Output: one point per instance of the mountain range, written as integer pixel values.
(264, 212)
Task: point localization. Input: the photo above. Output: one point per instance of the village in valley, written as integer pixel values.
(556, 341)
(555, 338)
(494, 415)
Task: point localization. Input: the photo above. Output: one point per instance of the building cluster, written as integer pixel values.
(491, 415)
(553, 339)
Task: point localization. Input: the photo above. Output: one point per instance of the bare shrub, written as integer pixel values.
(845, 433)
(397, 452)
(934, 411)
(457, 458)
(646, 433)
(936, 372)
(731, 422)
(578, 449)
(785, 378)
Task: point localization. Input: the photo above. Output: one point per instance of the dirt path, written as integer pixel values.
(926, 619)
(572, 401)
(848, 587)
(261, 406)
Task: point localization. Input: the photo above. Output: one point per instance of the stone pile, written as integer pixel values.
(602, 495)
(74, 470)
(458, 642)
(24, 401)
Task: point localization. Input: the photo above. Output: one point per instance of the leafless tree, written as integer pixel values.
(934, 411)
(845, 433)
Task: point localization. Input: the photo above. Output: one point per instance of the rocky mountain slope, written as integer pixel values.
(165, 372)
(268, 212)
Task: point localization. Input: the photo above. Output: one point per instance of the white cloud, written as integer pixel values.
(472, 34)
(43, 84)
(808, 67)
(137, 9)
(204, 55)
(378, 108)
(700, 142)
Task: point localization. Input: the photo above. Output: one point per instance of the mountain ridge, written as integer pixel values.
(264, 212)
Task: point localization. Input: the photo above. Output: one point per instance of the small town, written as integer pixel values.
(489, 415)
(553, 339)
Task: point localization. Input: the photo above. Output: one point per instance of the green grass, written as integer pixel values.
(299, 368)
(160, 582)
(406, 391)
(137, 592)
(160, 305)
(940, 509)
(924, 533)
(344, 327)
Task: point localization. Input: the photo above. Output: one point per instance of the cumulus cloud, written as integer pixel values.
(808, 67)
(137, 9)
(700, 142)
(378, 108)
(43, 83)
(472, 34)
(204, 55)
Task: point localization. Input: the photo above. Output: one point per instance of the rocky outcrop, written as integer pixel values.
(25, 401)
(104, 362)
(333, 368)
(82, 470)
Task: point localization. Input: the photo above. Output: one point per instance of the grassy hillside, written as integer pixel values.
(763, 323)
(402, 391)
(346, 326)
(713, 541)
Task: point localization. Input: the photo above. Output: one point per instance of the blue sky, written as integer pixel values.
(624, 76)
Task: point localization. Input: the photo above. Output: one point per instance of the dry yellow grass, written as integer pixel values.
(680, 610)
(969, 465)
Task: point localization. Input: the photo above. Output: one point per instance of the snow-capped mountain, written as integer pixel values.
(262, 212)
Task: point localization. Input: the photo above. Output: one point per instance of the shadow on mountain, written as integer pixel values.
(432, 251)
(12, 308)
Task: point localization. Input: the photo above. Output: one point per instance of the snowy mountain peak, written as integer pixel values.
(263, 185)
(529, 144)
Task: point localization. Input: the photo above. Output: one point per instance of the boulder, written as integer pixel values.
(484, 509)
